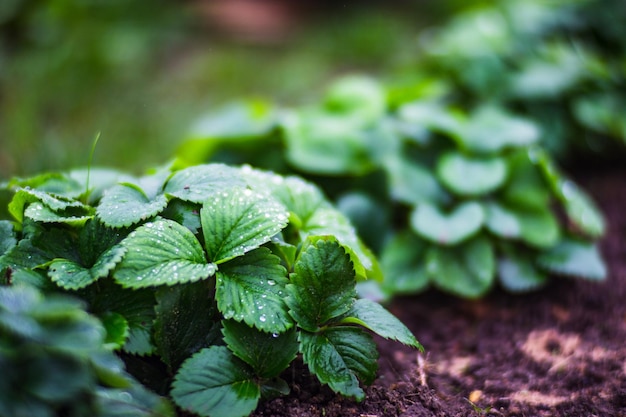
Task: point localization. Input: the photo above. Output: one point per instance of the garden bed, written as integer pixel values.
(556, 352)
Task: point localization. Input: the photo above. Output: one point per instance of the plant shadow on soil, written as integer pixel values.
(556, 352)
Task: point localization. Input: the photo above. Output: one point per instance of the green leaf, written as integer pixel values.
(197, 183)
(185, 213)
(490, 130)
(267, 353)
(215, 383)
(502, 222)
(251, 289)
(376, 318)
(117, 329)
(132, 402)
(581, 210)
(136, 306)
(236, 124)
(517, 273)
(300, 198)
(525, 187)
(24, 197)
(358, 96)
(7, 236)
(467, 270)
(238, 221)
(574, 258)
(73, 216)
(186, 321)
(49, 182)
(328, 221)
(322, 285)
(71, 276)
(98, 254)
(330, 144)
(448, 229)
(402, 260)
(125, 204)
(162, 252)
(339, 357)
(471, 176)
(412, 183)
(539, 227)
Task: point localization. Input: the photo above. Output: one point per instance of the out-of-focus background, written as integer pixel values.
(138, 73)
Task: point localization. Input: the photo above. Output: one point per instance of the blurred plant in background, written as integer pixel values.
(456, 199)
(139, 72)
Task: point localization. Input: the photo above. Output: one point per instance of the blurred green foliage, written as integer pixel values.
(457, 199)
(139, 72)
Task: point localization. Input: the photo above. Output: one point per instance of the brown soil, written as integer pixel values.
(557, 352)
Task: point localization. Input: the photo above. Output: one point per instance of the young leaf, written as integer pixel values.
(23, 197)
(467, 176)
(574, 258)
(267, 353)
(197, 183)
(162, 252)
(184, 213)
(339, 357)
(376, 318)
(467, 270)
(73, 216)
(403, 262)
(125, 204)
(215, 383)
(251, 288)
(322, 285)
(116, 327)
(237, 221)
(186, 321)
(448, 229)
(328, 221)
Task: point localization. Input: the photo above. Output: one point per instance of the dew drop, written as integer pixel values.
(263, 318)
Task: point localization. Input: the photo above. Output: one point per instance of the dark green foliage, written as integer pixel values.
(55, 361)
(210, 279)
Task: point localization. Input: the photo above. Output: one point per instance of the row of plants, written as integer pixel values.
(455, 198)
(207, 281)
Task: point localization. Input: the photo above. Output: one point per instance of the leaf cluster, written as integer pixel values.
(559, 63)
(56, 360)
(457, 199)
(208, 280)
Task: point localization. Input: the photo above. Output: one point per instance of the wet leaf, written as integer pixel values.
(162, 252)
(451, 228)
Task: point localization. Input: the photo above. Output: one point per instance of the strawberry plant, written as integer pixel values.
(457, 199)
(209, 280)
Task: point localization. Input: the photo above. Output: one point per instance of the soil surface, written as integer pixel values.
(557, 352)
